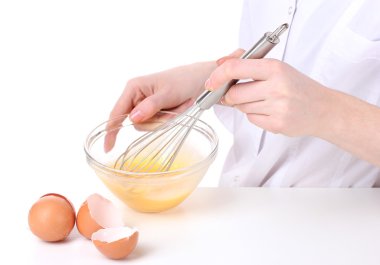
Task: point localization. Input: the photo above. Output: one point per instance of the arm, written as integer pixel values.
(353, 125)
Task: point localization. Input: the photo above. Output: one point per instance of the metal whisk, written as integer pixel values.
(157, 150)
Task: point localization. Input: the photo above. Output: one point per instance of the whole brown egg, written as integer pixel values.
(52, 217)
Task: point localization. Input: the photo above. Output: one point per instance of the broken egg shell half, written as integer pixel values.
(96, 213)
(52, 217)
(115, 242)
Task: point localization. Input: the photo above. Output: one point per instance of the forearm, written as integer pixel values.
(353, 125)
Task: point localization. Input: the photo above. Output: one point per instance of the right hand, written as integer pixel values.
(174, 89)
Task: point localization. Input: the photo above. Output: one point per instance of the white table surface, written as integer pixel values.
(235, 226)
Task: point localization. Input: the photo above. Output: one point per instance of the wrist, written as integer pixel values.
(352, 124)
(330, 123)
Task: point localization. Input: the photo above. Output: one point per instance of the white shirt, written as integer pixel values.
(336, 43)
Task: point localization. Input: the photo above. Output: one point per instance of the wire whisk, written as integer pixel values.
(157, 150)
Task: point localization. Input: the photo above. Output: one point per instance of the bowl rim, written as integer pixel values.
(130, 174)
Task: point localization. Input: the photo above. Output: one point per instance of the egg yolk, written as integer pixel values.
(147, 193)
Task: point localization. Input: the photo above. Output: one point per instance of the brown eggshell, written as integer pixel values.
(85, 223)
(51, 218)
(116, 242)
(97, 213)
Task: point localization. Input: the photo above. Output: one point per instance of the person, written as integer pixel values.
(309, 114)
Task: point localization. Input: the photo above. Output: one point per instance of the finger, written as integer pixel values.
(153, 122)
(257, 107)
(260, 120)
(123, 106)
(245, 92)
(257, 69)
(237, 53)
(112, 129)
(127, 99)
(148, 107)
(181, 108)
(143, 111)
(266, 122)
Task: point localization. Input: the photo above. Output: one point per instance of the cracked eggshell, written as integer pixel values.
(96, 213)
(116, 242)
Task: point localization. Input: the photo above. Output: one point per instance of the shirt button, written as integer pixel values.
(290, 10)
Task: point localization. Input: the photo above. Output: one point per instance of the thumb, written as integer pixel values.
(237, 53)
(147, 108)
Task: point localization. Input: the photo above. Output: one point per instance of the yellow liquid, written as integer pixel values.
(161, 192)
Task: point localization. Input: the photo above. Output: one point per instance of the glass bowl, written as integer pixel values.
(150, 191)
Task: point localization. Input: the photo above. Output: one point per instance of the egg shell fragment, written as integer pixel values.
(52, 217)
(96, 213)
(116, 242)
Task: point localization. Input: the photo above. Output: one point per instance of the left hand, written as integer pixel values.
(280, 100)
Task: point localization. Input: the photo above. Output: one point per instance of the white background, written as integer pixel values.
(63, 64)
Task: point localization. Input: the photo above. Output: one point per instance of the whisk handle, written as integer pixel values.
(261, 48)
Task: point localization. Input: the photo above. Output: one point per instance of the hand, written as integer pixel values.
(173, 89)
(283, 100)
(280, 100)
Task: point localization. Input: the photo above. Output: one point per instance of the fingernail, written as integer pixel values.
(136, 116)
(208, 84)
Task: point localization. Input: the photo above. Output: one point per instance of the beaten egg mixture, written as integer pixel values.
(147, 193)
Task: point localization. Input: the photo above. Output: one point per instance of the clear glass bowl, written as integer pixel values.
(150, 191)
